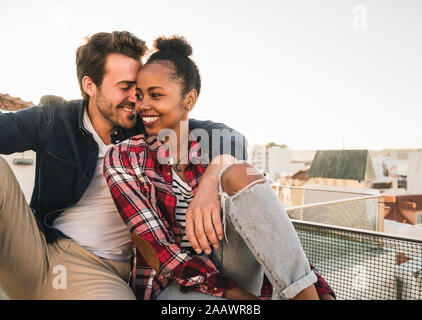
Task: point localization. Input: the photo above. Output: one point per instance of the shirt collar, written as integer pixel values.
(81, 110)
(89, 127)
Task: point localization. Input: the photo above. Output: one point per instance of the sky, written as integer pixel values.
(316, 74)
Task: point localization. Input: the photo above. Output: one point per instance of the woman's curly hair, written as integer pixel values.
(174, 52)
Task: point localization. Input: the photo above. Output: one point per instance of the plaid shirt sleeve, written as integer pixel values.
(133, 195)
(322, 287)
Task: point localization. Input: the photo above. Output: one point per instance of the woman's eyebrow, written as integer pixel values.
(153, 88)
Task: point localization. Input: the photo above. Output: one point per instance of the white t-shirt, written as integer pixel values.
(94, 222)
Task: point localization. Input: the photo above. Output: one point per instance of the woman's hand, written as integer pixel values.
(203, 218)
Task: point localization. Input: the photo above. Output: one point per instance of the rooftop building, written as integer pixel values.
(9, 103)
(274, 160)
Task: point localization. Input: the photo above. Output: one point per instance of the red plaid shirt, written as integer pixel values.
(140, 183)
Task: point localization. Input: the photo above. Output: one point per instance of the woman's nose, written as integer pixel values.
(142, 105)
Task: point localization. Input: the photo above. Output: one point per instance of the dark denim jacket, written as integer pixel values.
(66, 153)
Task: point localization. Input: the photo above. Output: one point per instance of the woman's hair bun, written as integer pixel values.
(175, 44)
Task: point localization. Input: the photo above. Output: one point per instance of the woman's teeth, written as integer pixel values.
(150, 119)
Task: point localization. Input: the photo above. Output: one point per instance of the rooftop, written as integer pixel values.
(342, 164)
(10, 103)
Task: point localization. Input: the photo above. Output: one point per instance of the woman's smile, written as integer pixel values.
(150, 121)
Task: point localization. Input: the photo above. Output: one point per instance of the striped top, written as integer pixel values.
(184, 196)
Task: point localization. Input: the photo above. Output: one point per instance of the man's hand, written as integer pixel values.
(203, 218)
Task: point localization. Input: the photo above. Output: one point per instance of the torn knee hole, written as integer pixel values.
(239, 176)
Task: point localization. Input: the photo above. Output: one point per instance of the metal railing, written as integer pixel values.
(299, 195)
(346, 208)
(359, 213)
(341, 232)
(364, 265)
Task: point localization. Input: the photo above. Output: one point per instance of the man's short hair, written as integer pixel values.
(91, 57)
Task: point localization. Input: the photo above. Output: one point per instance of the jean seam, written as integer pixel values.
(227, 208)
(224, 197)
(281, 292)
(267, 271)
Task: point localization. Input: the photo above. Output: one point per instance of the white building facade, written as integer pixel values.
(273, 159)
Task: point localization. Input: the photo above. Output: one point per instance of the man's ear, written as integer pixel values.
(89, 86)
(190, 99)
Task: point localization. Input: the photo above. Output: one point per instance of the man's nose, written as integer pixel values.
(132, 95)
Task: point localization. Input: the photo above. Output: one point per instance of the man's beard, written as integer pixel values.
(110, 112)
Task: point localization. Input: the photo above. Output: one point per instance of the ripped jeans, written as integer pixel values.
(259, 238)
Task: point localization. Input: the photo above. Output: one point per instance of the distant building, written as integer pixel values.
(305, 156)
(346, 168)
(399, 154)
(273, 159)
(406, 208)
(414, 177)
(257, 156)
(9, 103)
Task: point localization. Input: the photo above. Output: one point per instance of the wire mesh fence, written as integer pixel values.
(364, 265)
(360, 213)
(292, 196)
(333, 206)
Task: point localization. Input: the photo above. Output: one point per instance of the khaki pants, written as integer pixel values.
(32, 269)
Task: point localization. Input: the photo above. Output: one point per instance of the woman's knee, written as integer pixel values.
(238, 176)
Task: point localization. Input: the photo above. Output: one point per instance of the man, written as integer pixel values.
(70, 243)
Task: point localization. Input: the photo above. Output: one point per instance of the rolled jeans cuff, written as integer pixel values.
(258, 216)
(295, 288)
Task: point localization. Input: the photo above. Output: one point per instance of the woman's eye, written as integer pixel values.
(155, 95)
(138, 96)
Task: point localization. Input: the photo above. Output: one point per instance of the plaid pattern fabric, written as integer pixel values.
(140, 185)
(140, 182)
(322, 287)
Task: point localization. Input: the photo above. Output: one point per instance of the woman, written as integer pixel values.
(152, 190)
